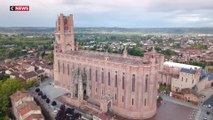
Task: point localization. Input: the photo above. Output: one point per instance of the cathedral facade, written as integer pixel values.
(119, 83)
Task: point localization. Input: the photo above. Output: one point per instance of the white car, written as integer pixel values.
(55, 111)
(209, 106)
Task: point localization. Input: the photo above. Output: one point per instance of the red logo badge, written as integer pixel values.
(19, 8)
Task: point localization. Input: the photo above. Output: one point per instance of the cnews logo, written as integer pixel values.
(19, 8)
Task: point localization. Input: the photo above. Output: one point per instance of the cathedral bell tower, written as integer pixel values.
(64, 34)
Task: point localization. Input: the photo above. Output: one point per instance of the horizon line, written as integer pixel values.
(101, 27)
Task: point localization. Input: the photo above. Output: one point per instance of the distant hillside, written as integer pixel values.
(25, 29)
(149, 30)
(109, 30)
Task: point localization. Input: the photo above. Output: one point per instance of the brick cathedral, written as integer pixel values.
(103, 82)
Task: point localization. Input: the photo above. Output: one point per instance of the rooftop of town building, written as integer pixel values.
(180, 65)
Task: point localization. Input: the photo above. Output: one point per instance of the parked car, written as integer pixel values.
(55, 111)
(209, 106)
(207, 112)
(203, 96)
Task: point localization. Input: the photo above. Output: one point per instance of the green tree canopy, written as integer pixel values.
(7, 88)
(135, 51)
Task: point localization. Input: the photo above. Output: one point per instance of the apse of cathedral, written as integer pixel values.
(105, 82)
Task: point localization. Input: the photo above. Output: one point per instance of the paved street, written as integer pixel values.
(175, 109)
(177, 101)
(202, 113)
(52, 109)
(172, 111)
(204, 108)
(169, 108)
(207, 93)
(195, 113)
(52, 93)
(47, 107)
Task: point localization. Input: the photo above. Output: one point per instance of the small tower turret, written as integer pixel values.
(153, 49)
(125, 52)
(76, 47)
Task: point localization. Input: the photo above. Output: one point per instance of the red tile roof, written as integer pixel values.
(28, 75)
(19, 95)
(35, 117)
(27, 107)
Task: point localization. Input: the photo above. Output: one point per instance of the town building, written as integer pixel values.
(24, 107)
(182, 76)
(103, 82)
(187, 79)
(28, 70)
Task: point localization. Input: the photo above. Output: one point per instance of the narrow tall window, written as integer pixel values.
(186, 79)
(63, 68)
(96, 75)
(132, 101)
(102, 75)
(73, 66)
(90, 74)
(109, 78)
(145, 102)
(122, 98)
(58, 66)
(68, 69)
(146, 83)
(123, 80)
(116, 79)
(133, 83)
(65, 21)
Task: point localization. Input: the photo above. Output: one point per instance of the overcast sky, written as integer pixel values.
(111, 13)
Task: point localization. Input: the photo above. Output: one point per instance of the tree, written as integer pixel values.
(60, 115)
(54, 103)
(40, 93)
(7, 88)
(42, 77)
(49, 56)
(4, 77)
(31, 83)
(48, 100)
(62, 107)
(169, 52)
(69, 111)
(159, 99)
(135, 51)
(37, 90)
(77, 116)
(43, 96)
